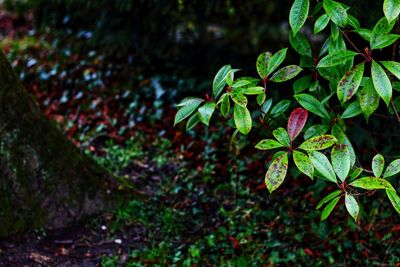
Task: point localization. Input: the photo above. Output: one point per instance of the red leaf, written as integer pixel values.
(296, 122)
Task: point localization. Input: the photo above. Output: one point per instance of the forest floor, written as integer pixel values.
(206, 203)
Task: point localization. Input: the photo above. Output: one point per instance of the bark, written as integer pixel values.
(45, 181)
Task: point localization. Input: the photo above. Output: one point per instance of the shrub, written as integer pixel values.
(339, 84)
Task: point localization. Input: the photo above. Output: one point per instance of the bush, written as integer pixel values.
(339, 92)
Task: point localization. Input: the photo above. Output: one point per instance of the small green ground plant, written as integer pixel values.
(331, 85)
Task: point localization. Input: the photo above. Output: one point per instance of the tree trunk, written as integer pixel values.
(45, 181)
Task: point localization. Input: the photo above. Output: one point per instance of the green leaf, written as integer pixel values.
(298, 14)
(315, 130)
(355, 173)
(238, 97)
(231, 76)
(303, 163)
(369, 99)
(300, 44)
(321, 23)
(329, 208)
(350, 82)
(276, 60)
(391, 8)
(262, 64)
(187, 109)
(276, 172)
(302, 84)
(382, 27)
(336, 12)
(282, 136)
(225, 105)
(352, 110)
(394, 199)
(192, 121)
(267, 105)
(381, 82)
(353, 22)
(335, 59)
(267, 144)
(352, 206)
(392, 169)
(190, 101)
(342, 139)
(328, 198)
(322, 165)
(393, 67)
(340, 156)
(242, 119)
(318, 142)
(261, 99)
(365, 33)
(286, 73)
(205, 112)
(371, 183)
(280, 107)
(383, 41)
(220, 80)
(378, 163)
(240, 83)
(312, 104)
(256, 90)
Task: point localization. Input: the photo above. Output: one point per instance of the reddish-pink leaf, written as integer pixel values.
(296, 122)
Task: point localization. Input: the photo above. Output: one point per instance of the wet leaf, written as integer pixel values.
(315, 130)
(225, 105)
(350, 82)
(378, 163)
(318, 142)
(381, 82)
(352, 110)
(276, 60)
(276, 172)
(392, 169)
(371, 183)
(329, 208)
(242, 119)
(322, 165)
(282, 136)
(192, 121)
(352, 206)
(336, 58)
(296, 122)
(336, 12)
(303, 163)
(392, 66)
(328, 198)
(321, 23)
(300, 44)
(391, 8)
(369, 99)
(312, 104)
(205, 112)
(394, 199)
(262, 64)
(238, 97)
(189, 106)
(286, 73)
(267, 144)
(220, 80)
(298, 14)
(340, 156)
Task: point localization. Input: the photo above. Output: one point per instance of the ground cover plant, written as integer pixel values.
(335, 83)
(206, 202)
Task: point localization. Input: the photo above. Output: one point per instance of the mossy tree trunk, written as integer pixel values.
(45, 181)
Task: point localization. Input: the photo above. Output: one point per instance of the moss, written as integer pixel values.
(46, 181)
